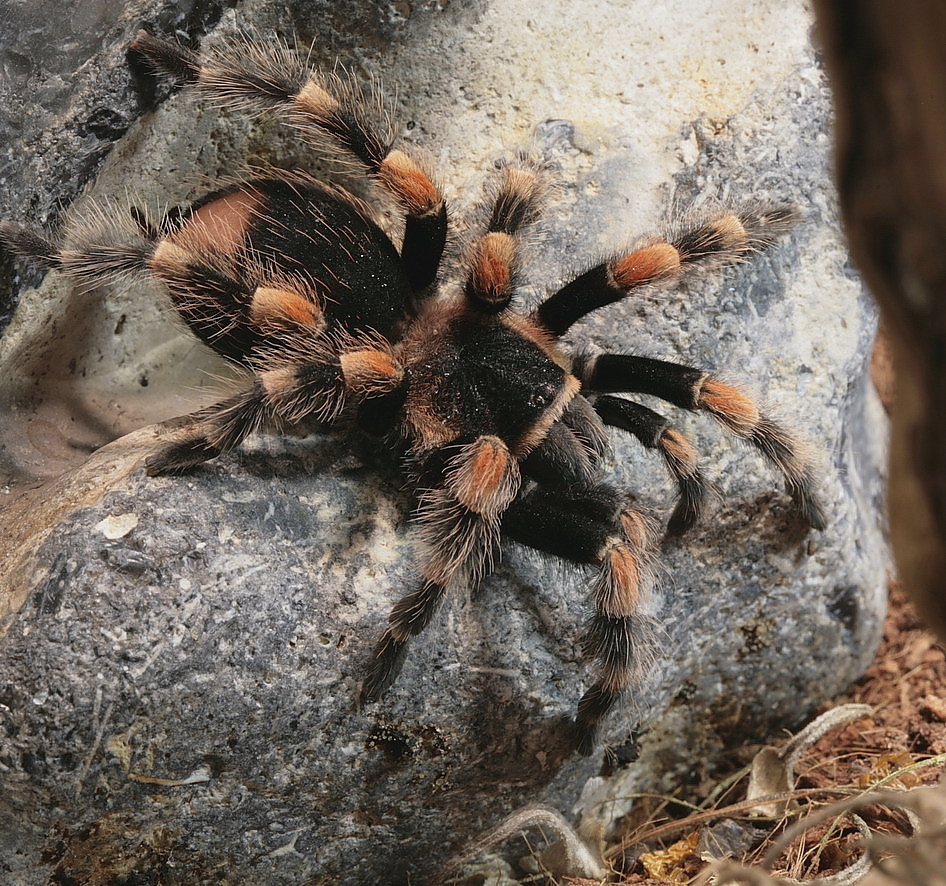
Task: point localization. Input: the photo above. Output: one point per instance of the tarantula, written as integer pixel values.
(503, 428)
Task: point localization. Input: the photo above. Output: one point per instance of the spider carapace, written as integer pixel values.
(504, 428)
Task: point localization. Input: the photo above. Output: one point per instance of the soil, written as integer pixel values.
(901, 745)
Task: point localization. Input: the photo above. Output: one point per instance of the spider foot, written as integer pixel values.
(386, 664)
(180, 457)
(592, 709)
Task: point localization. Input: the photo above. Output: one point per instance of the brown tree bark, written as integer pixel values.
(887, 64)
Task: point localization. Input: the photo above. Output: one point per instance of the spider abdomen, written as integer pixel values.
(250, 258)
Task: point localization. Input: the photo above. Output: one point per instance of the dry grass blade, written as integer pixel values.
(573, 855)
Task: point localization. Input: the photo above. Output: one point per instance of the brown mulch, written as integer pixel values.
(899, 747)
(906, 686)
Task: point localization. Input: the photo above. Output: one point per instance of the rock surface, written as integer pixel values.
(179, 658)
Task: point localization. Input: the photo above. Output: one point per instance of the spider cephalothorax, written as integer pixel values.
(503, 427)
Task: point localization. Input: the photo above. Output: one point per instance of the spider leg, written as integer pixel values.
(466, 486)
(212, 431)
(204, 295)
(410, 615)
(592, 525)
(109, 257)
(585, 422)
(722, 238)
(571, 452)
(493, 258)
(319, 384)
(324, 108)
(221, 302)
(561, 460)
(655, 432)
(695, 389)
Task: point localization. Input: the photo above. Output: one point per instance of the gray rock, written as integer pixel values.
(180, 658)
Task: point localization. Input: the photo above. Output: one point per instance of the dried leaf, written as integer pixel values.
(935, 707)
(664, 864)
(773, 770)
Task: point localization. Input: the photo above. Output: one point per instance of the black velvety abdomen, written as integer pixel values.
(338, 266)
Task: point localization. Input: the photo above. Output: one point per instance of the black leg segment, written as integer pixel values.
(627, 373)
(655, 432)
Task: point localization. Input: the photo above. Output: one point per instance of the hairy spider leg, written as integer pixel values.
(571, 452)
(493, 259)
(698, 390)
(562, 459)
(725, 237)
(212, 431)
(655, 432)
(593, 525)
(318, 385)
(329, 109)
(464, 489)
(580, 416)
